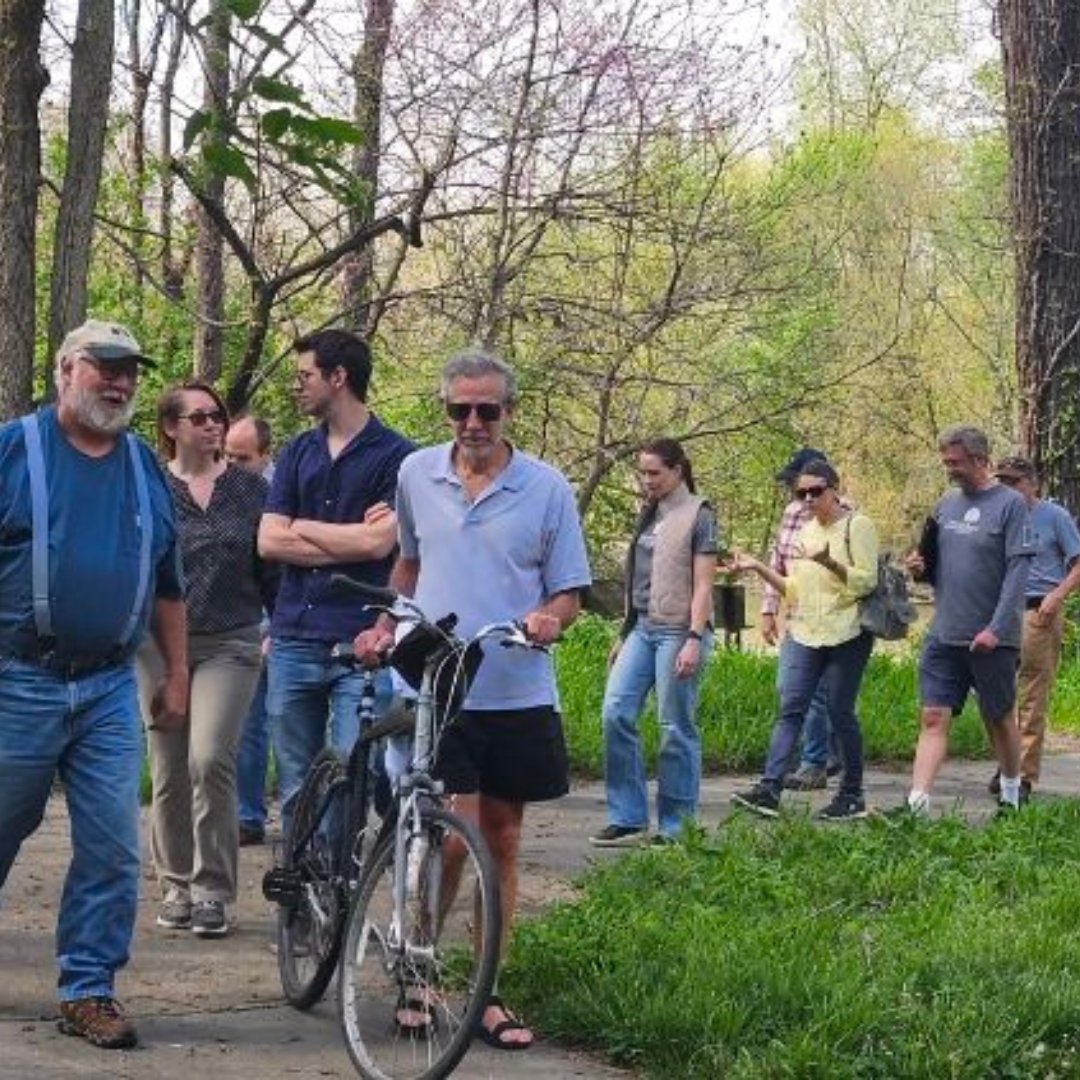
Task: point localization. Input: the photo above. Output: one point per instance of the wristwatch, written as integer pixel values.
(692, 633)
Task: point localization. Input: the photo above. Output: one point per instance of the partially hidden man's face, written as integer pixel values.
(242, 447)
(472, 405)
(101, 393)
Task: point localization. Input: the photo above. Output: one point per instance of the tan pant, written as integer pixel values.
(194, 829)
(1040, 653)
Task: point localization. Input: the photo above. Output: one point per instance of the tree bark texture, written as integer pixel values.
(209, 244)
(88, 113)
(1041, 46)
(22, 80)
(359, 269)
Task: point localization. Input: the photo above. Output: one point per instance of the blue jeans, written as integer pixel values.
(816, 727)
(89, 731)
(647, 660)
(840, 668)
(306, 688)
(252, 756)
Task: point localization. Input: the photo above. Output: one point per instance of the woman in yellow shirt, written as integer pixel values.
(835, 565)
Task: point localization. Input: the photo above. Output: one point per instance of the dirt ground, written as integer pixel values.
(215, 1007)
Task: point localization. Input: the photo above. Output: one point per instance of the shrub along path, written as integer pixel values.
(214, 1006)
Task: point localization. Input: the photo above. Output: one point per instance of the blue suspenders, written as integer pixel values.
(39, 518)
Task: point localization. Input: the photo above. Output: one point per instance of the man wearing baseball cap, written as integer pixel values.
(1054, 574)
(88, 562)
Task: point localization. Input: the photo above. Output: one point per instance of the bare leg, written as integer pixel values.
(932, 747)
(500, 824)
(1005, 739)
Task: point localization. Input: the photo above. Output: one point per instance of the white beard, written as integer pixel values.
(97, 415)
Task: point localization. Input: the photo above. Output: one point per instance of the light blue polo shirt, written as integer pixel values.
(497, 558)
(1057, 547)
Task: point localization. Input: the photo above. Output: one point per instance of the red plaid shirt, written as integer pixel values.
(784, 546)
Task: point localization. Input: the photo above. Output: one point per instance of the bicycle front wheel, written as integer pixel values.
(309, 929)
(416, 975)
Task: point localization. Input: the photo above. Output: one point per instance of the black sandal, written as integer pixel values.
(494, 1036)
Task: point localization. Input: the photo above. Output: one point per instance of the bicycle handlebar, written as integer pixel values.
(376, 593)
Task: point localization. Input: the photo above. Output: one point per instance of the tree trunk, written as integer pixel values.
(88, 112)
(209, 244)
(22, 80)
(359, 269)
(1041, 45)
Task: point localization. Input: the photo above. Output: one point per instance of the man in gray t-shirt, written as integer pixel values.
(1055, 573)
(984, 549)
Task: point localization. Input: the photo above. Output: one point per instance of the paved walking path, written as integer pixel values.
(214, 1007)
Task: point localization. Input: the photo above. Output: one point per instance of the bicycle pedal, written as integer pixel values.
(282, 886)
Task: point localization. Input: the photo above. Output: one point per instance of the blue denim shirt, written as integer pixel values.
(309, 484)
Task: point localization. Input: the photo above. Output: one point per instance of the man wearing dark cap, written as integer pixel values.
(88, 560)
(813, 768)
(1054, 574)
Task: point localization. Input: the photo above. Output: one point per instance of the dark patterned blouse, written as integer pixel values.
(228, 584)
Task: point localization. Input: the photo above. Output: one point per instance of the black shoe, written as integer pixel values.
(252, 835)
(843, 808)
(994, 787)
(619, 836)
(760, 799)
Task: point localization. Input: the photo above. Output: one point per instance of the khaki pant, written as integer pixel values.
(1040, 653)
(194, 828)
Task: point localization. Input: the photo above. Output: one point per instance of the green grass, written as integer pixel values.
(738, 705)
(926, 950)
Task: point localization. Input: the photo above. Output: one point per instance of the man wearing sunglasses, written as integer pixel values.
(88, 560)
(1054, 576)
(329, 511)
(984, 553)
(492, 533)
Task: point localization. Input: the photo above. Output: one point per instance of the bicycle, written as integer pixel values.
(324, 852)
(421, 944)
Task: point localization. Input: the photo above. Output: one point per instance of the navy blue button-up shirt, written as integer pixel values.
(308, 484)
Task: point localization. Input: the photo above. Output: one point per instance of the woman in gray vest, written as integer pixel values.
(664, 644)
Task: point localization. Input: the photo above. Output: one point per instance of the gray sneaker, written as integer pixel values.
(174, 914)
(208, 919)
(807, 778)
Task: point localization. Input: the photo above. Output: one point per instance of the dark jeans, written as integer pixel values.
(840, 668)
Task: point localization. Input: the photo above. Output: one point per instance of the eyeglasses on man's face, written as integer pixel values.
(805, 494)
(124, 367)
(487, 411)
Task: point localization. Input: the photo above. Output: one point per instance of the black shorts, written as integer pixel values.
(518, 755)
(948, 672)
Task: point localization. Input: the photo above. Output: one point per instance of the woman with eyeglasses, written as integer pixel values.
(194, 837)
(664, 645)
(834, 566)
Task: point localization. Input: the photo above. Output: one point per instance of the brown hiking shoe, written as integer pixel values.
(98, 1020)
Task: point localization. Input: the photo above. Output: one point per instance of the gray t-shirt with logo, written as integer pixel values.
(985, 545)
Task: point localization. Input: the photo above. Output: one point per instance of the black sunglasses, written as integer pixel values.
(488, 411)
(814, 492)
(200, 418)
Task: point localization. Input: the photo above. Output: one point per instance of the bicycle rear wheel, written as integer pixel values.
(414, 985)
(309, 930)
